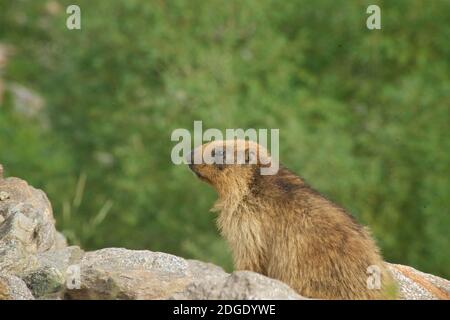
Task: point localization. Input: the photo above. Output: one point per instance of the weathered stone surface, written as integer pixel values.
(27, 216)
(14, 258)
(13, 288)
(60, 259)
(27, 225)
(416, 285)
(212, 283)
(49, 276)
(60, 241)
(126, 274)
(205, 270)
(45, 280)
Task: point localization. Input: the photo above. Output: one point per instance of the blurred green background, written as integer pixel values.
(363, 115)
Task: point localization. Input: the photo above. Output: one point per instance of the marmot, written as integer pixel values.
(278, 226)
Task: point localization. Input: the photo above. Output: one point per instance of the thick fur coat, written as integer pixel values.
(278, 226)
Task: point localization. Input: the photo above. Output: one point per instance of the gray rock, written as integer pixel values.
(60, 259)
(60, 241)
(45, 280)
(203, 270)
(250, 285)
(13, 288)
(129, 274)
(240, 285)
(14, 258)
(18, 227)
(27, 225)
(27, 215)
(416, 285)
(49, 277)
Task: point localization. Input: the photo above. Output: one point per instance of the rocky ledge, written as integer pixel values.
(37, 263)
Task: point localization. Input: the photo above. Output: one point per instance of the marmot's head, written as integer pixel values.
(229, 165)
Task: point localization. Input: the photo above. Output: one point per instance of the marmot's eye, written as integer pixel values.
(250, 156)
(218, 153)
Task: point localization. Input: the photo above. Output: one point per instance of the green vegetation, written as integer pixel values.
(363, 115)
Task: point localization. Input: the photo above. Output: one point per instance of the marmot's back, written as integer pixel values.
(333, 254)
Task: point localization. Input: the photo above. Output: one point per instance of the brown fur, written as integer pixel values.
(278, 226)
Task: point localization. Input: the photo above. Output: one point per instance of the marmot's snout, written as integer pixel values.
(222, 163)
(197, 165)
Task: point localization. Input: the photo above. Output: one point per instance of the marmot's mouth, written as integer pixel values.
(201, 177)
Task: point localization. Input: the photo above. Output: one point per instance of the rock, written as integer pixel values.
(48, 279)
(30, 214)
(127, 274)
(27, 225)
(204, 270)
(14, 258)
(61, 259)
(13, 288)
(211, 282)
(416, 285)
(130, 274)
(17, 226)
(60, 241)
(45, 280)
